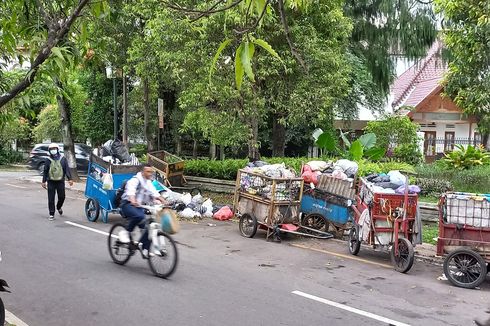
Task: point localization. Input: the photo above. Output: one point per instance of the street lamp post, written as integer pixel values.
(111, 73)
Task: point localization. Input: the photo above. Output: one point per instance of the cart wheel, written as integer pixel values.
(92, 209)
(354, 242)
(315, 221)
(465, 268)
(404, 260)
(105, 216)
(248, 225)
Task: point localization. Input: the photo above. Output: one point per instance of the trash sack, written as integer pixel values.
(197, 199)
(179, 207)
(309, 176)
(339, 174)
(225, 213)
(120, 151)
(397, 178)
(350, 168)
(412, 189)
(106, 148)
(187, 198)
(107, 182)
(317, 165)
(208, 213)
(208, 204)
(172, 196)
(187, 213)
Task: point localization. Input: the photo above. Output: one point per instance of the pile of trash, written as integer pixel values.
(341, 169)
(196, 207)
(115, 152)
(258, 182)
(392, 182)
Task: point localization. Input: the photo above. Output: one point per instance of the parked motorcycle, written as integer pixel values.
(3, 286)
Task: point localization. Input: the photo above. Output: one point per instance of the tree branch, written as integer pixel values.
(254, 26)
(294, 52)
(204, 12)
(54, 37)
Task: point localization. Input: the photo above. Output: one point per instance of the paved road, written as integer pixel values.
(61, 274)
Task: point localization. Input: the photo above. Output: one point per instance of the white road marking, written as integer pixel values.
(15, 186)
(12, 319)
(87, 228)
(350, 309)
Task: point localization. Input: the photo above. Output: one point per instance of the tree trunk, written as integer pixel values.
(212, 151)
(194, 149)
(178, 145)
(221, 152)
(66, 128)
(146, 102)
(278, 136)
(125, 111)
(253, 141)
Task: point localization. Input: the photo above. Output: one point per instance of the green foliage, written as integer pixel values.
(476, 180)
(49, 126)
(466, 35)
(430, 233)
(9, 156)
(356, 150)
(433, 187)
(465, 158)
(398, 136)
(366, 167)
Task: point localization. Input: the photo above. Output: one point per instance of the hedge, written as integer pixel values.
(227, 169)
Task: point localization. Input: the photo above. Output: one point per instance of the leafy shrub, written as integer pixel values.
(10, 156)
(408, 153)
(227, 169)
(139, 150)
(476, 179)
(433, 187)
(464, 158)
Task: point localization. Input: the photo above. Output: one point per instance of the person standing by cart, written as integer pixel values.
(56, 170)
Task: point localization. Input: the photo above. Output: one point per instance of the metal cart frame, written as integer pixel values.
(275, 209)
(464, 237)
(391, 224)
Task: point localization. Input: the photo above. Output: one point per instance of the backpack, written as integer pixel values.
(120, 192)
(55, 170)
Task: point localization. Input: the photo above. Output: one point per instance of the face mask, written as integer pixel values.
(53, 151)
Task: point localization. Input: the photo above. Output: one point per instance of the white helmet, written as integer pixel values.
(53, 145)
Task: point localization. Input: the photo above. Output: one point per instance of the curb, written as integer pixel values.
(30, 180)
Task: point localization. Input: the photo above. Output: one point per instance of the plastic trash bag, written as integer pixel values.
(317, 165)
(225, 213)
(188, 213)
(197, 199)
(186, 198)
(107, 182)
(349, 167)
(120, 151)
(397, 178)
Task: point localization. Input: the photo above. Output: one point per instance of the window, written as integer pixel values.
(449, 141)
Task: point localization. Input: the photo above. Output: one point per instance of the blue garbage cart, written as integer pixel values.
(328, 206)
(101, 201)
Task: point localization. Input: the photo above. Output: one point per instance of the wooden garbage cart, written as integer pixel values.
(272, 204)
(170, 168)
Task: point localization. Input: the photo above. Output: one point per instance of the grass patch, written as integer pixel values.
(430, 232)
(219, 198)
(429, 199)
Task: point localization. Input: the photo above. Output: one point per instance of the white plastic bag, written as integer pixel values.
(397, 178)
(318, 165)
(197, 199)
(350, 168)
(187, 213)
(187, 199)
(107, 182)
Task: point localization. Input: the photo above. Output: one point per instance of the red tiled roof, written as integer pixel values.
(415, 84)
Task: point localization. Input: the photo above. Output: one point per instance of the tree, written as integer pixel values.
(467, 37)
(32, 30)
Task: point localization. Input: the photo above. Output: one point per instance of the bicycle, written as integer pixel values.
(162, 250)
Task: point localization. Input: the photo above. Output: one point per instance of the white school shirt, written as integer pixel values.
(146, 192)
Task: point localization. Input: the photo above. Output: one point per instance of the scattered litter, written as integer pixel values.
(442, 278)
(211, 224)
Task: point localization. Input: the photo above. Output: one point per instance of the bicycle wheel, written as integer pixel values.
(163, 255)
(120, 252)
(2, 313)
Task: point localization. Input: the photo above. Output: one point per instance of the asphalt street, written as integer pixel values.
(61, 274)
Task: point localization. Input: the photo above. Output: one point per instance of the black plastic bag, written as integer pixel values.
(120, 151)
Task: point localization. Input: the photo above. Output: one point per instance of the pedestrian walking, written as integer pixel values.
(55, 171)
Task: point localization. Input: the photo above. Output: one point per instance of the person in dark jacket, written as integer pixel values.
(55, 171)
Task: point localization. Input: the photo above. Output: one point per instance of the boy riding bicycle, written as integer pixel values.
(139, 191)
